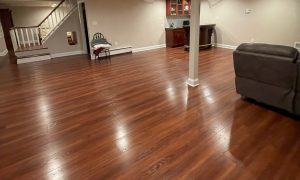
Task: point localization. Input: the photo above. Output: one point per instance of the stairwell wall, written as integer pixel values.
(29, 16)
(3, 50)
(58, 43)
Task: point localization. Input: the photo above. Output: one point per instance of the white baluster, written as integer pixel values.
(67, 8)
(58, 15)
(37, 35)
(23, 40)
(28, 41)
(52, 21)
(63, 5)
(56, 19)
(61, 12)
(31, 30)
(17, 35)
(49, 26)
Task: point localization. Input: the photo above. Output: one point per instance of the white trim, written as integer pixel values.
(297, 46)
(115, 51)
(226, 46)
(135, 50)
(3, 53)
(193, 82)
(72, 53)
(33, 59)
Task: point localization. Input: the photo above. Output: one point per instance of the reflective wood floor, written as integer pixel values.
(135, 118)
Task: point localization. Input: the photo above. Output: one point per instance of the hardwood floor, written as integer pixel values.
(135, 118)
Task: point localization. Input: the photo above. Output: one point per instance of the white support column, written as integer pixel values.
(194, 43)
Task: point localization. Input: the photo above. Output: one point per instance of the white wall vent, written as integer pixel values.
(297, 45)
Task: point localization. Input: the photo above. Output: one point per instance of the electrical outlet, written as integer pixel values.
(116, 43)
(252, 40)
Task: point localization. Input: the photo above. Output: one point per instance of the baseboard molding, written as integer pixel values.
(72, 53)
(135, 50)
(33, 59)
(193, 82)
(115, 51)
(129, 49)
(226, 46)
(3, 53)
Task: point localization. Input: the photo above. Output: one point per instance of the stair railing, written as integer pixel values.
(36, 35)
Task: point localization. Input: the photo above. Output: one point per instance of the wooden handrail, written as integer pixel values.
(51, 12)
(22, 27)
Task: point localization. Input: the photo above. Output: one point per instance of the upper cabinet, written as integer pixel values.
(178, 7)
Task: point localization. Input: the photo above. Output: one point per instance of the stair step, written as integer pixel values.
(30, 48)
(34, 55)
(33, 58)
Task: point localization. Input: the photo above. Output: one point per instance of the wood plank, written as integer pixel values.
(133, 117)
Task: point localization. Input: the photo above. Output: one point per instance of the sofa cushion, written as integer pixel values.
(275, 50)
(274, 70)
(298, 78)
(272, 95)
(297, 104)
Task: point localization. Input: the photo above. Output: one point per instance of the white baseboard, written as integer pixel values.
(226, 46)
(115, 51)
(135, 50)
(33, 59)
(3, 53)
(193, 82)
(72, 53)
(129, 49)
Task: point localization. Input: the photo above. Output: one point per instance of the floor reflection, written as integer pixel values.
(122, 138)
(55, 169)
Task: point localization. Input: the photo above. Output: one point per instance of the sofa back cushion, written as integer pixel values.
(268, 49)
(273, 70)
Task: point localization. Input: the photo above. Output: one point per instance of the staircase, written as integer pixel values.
(29, 42)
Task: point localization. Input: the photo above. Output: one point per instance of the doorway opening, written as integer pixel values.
(85, 32)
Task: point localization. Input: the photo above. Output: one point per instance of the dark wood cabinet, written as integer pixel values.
(175, 37)
(206, 32)
(178, 7)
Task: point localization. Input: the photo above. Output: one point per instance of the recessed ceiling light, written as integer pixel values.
(53, 5)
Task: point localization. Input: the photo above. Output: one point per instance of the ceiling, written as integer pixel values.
(32, 3)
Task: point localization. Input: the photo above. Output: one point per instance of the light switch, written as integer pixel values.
(248, 11)
(94, 23)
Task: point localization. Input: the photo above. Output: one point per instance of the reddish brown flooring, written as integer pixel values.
(135, 118)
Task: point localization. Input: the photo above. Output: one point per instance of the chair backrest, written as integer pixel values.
(98, 36)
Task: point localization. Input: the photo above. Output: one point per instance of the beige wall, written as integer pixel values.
(29, 16)
(271, 21)
(2, 41)
(127, 23)
(58, 43)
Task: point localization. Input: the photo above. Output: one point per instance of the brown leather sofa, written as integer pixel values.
(269, 74)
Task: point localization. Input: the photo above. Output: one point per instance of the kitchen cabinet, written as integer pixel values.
(175, 37)
(178, 7)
